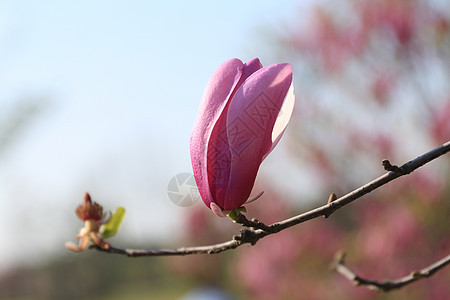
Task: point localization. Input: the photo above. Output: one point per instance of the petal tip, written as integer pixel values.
(216, 210)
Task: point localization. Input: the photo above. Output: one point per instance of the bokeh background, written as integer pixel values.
(101, 97)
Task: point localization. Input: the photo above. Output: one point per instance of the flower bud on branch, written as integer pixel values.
(96, 225)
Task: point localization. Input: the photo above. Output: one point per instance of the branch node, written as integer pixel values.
(418, 275)
(394, 168)
(331, 199)
(253, 224)
(249, 236)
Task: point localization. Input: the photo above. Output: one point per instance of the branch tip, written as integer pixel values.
(388, 285)
(339, 257)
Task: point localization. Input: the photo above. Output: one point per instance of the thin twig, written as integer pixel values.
(170, 252)
(256, 230)
(388, 285)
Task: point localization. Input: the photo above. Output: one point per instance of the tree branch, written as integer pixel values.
(255, 230)
(388, 285)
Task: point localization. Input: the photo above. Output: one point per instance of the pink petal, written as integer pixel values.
(219, 154)
(217, 92)
(251, 117)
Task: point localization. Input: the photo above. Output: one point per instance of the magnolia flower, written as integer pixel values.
(244, 111)
(92, 215)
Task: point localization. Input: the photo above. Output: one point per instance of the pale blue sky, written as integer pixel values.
(123, 80)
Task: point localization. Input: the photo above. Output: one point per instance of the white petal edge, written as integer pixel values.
(284, 115)
(216, 210)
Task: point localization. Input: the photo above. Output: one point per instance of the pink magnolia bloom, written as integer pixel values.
(243, 113)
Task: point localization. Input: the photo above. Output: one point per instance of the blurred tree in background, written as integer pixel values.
(372, 82)
(15, 119)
